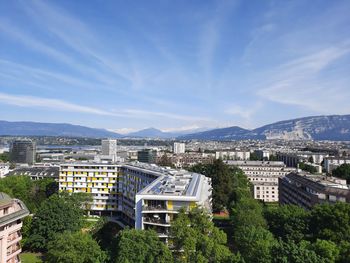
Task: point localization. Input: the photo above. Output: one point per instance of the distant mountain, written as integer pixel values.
(333, 127)
(155, 133)
(151, 133)
(230, 133)
(25, 128)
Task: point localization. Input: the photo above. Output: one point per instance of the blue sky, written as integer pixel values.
(126, 65)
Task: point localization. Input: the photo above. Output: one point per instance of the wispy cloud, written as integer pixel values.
(302, 82)
(54, 104)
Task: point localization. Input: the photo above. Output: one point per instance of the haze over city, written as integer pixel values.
(174, 65)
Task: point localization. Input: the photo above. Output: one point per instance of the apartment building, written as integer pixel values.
(158, 203)
(4, 169)
(11, 213)
(307, 190)
(264, 177)
(233, 155)
(114, 187)
(291, 159)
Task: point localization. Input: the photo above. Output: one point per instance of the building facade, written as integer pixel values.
(307, 190)
(179, 147)
(23, 151)
(109, 147)
(264, 177)
(12, 211)
(114, 187)
(147, 156)
(233, 155)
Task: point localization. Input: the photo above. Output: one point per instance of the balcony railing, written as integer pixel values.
(155, 220)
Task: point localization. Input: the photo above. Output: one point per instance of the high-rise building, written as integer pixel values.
(131, 191)
(179, 147)
(147, 156)
(109, 147)
(23, 151)
(11, 213)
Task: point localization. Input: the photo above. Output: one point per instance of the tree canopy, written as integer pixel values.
(141, 246)
(55, 215)
(77, 247)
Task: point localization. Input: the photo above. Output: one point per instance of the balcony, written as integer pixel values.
(155, 221)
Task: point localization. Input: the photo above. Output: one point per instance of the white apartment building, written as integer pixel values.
(11, 213)
(114, 187)
(264, 177)
(330, 163)
(159, 202)
(179, 147)
(233, 155)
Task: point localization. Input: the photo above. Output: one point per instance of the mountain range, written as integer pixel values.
(331, 127)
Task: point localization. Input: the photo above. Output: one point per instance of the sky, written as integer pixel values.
(173, 65)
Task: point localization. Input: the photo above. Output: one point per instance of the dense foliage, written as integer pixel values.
(229, 183)
(32, 193)
(55, 215)
(308, 168)
(77, 247)
(141, 246)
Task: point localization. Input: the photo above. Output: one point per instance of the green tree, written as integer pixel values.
(76, 247)
(195, 239)
(5, 157)
(141, 246)
(55, 215)
(254, 243)
(254, 157)
(229, 183)
(331, 222)
(343, 171)
(32, 193)
(165, 161)
(248, 212)
(288, 222)
(307, 168)
(325, 249)
(291, 252)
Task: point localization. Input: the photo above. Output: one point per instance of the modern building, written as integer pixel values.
(263, 154)
(12, 211)
(23, 151)
(307, 190)
(330, 163)
(147, 156)
(291, 159)
(109, 147)
(118, 190)
(158, 203)
(264, 177)
(179, 147)
(233, 155)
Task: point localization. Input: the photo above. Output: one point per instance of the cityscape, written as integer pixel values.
(174, 131)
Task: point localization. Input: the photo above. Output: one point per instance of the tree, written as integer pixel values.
(291, 252)
(248, 212)
(195, 239)
(311, 159)
(254, 157)
(331, 222)
(229, 183)
(32, 193)
(254, 243)
(273, 158)
(141, 246)
(76, 247)
(5, 157)
(288, 222)
(307, 168)
(343, 171)
(55, 215)
(325, 249)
